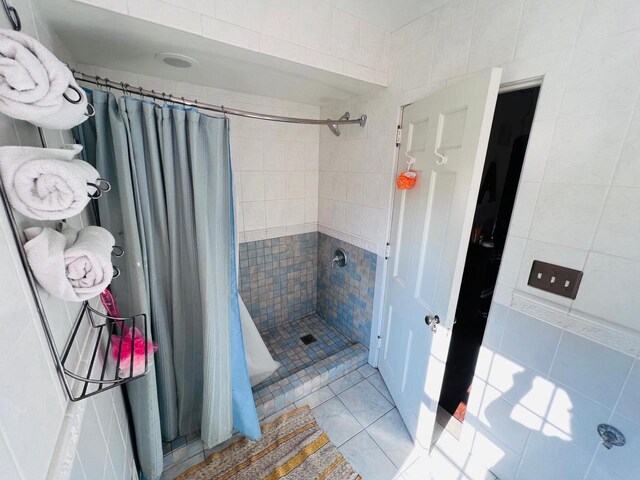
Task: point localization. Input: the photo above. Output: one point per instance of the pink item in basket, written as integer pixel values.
(109, 303)
(122, 346)
(140, 344)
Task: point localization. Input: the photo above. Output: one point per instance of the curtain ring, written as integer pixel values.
(91, 111)
(116, 271)
(124, 86)
(184, 103)
(74, 102)
(117, 251)
(140, 92)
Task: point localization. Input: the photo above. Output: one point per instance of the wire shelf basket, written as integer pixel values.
(103, 371)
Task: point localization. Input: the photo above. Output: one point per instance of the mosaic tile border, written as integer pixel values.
(298, 385)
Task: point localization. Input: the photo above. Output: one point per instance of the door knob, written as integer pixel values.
(432, 321)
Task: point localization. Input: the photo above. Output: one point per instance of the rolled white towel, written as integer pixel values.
(74, 272)
(47, 183)
(33, 83)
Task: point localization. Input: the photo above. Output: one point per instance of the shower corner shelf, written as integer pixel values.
(102, 372)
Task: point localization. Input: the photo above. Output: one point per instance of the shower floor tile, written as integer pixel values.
(285, 344)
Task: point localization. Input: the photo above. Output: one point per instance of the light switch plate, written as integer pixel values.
(551, 278)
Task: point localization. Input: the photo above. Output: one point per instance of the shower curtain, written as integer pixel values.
(171, 209)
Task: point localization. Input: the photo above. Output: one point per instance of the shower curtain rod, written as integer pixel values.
(125, 87)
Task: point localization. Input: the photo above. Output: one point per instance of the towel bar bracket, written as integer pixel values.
(13, 15)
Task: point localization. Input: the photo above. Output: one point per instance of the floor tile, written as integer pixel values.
(316, 398)
(334, 418)
(434, 467)
(366, 457)
(367, 370)
(393, 438)
(365, 403)
(345, 382)
(195, 447)
(377, 381)
(223, 445)
(284, 344)
(174, 471)
(274, 416)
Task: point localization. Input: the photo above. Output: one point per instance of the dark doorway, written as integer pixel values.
(503, 164)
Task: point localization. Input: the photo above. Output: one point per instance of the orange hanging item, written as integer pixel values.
(406, 180)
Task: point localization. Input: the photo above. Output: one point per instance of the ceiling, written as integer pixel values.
(107, 39)
(388, 14)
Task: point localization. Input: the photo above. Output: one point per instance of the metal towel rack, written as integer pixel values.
(102, 373)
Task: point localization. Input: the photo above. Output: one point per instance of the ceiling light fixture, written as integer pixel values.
(176, 60)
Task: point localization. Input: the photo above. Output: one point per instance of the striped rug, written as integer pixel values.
(293, 447)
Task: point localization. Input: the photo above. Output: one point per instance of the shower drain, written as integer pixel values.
(307, 339)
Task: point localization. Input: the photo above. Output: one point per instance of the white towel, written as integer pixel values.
(47, 183)
(33, 82)
(75, 272)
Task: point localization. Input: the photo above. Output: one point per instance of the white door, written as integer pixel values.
(447, 135)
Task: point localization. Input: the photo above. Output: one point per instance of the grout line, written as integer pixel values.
(515, 41)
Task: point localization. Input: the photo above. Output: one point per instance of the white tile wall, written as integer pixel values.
(311, 32)
(576, 206)
(33, 406)
(542, 424)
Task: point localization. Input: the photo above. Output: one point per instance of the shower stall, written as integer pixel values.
(313, 314)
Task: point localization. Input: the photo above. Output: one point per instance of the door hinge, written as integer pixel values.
(398, 136)
(379, 341)
(387, 251)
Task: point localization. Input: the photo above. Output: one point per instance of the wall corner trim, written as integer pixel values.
(595, 329)
(65, 451)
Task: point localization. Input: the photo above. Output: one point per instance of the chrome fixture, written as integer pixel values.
(340, 258)
(167, 97)
(335, 127)
(611, 436)
(432, 321)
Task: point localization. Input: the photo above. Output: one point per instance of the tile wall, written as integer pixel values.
(345, 295)
(278, 278)
(539, 393)
(576, 202)
(283, 279)
(310, 32)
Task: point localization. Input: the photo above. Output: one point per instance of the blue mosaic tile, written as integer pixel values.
(345, 295)
(305, 368)
(278, 278)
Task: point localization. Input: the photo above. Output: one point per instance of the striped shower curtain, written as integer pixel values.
(171, 209)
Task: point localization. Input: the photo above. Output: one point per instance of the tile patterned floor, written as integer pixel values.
(283, 341)
(358, 414)
(305, 368)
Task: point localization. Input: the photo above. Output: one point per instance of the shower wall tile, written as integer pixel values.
(300, 31)
(278, 278)
(345, 295)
